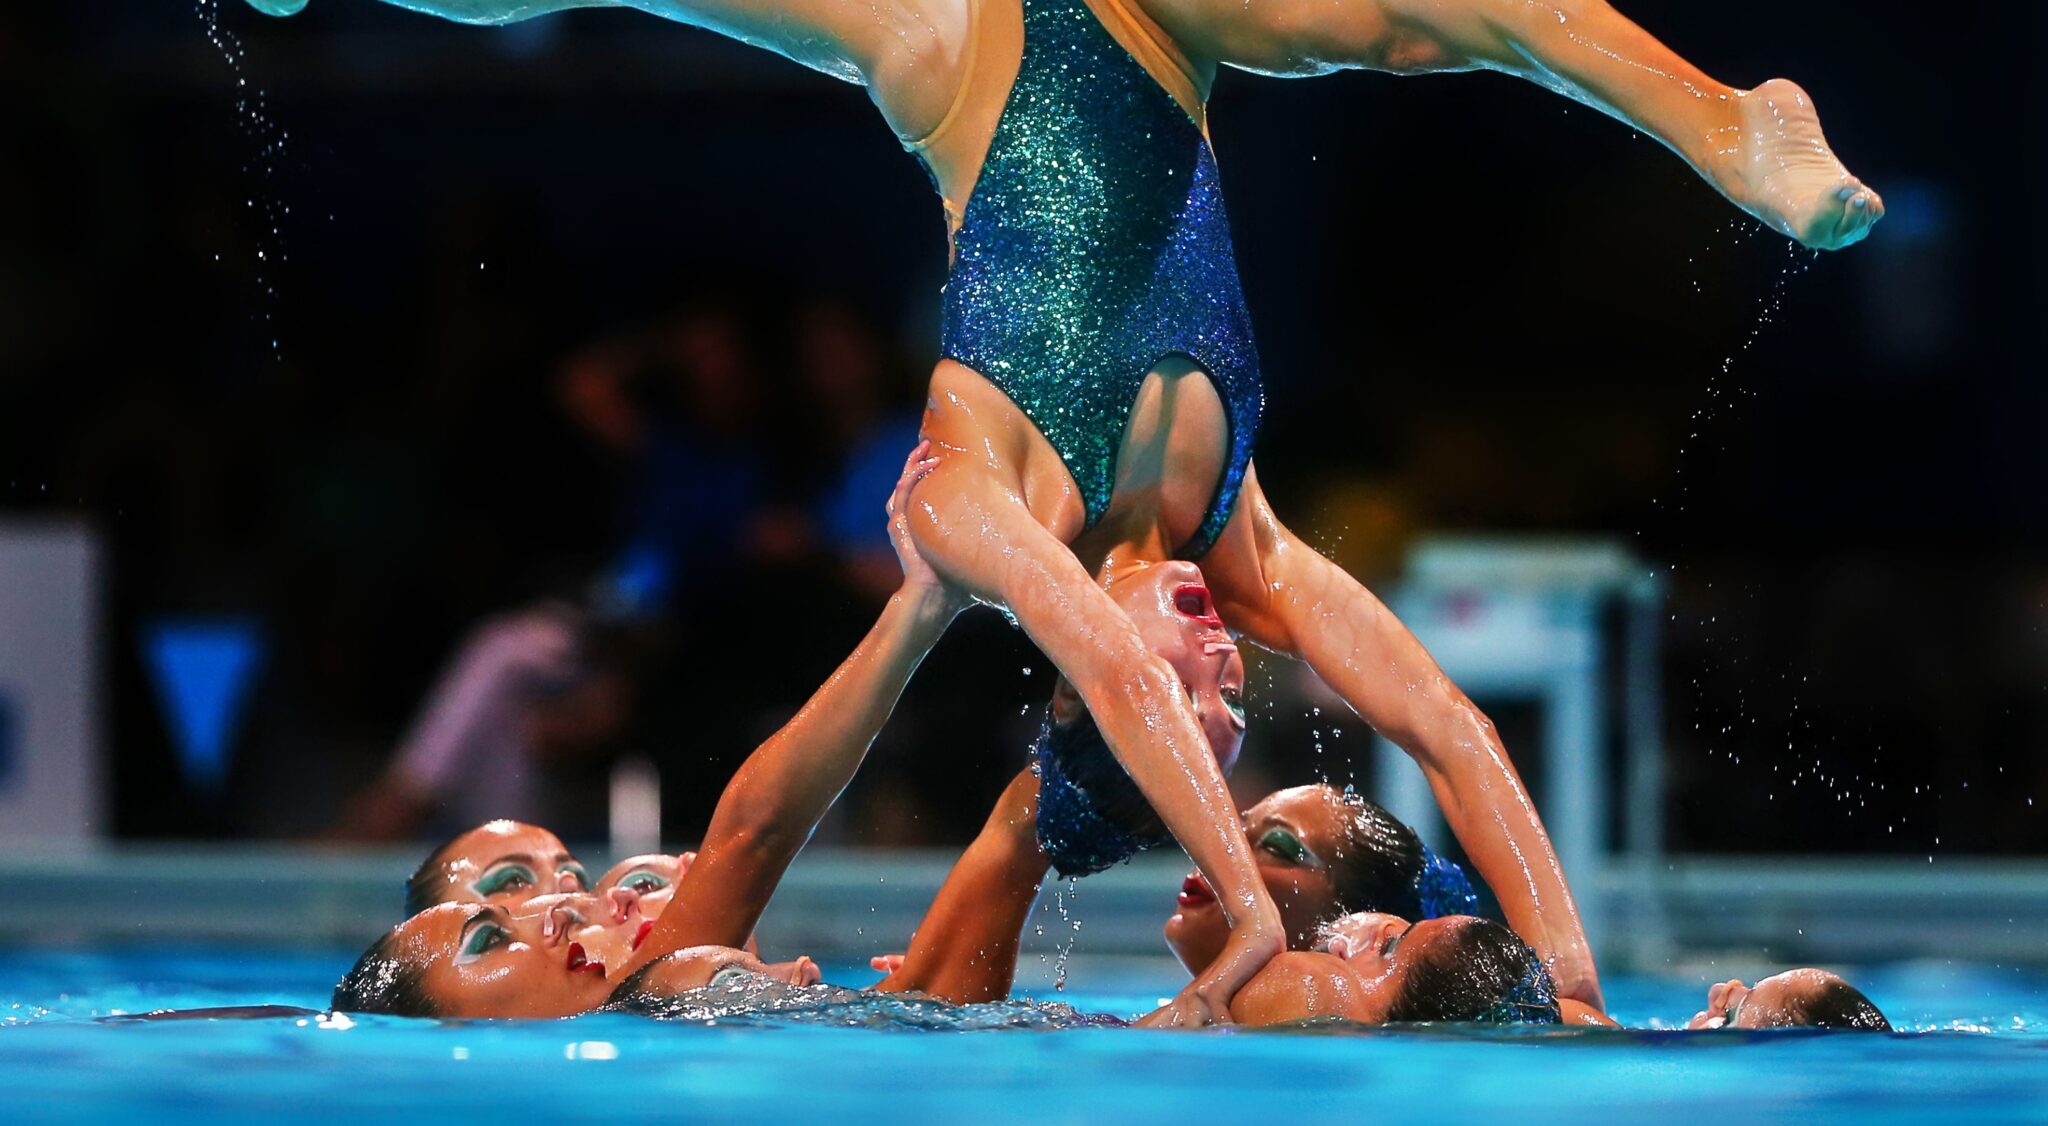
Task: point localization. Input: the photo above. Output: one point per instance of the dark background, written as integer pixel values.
(285, 320)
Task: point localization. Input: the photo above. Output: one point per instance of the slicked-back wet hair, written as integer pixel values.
(384, 982)
(428, 885)
(1378, 864)
(1837, 1004)
(1481, 972)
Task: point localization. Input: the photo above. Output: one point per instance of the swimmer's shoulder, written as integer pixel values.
(1297, 985)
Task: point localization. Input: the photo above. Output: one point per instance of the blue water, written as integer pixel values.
(1979, 1053)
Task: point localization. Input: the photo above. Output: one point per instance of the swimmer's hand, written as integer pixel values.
(1573, 974)
(918, 577)
(886, 963)
(1207, 999)
(1723, 1001)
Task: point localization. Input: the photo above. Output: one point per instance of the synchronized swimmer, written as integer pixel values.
(1083, 474)
(504, 922)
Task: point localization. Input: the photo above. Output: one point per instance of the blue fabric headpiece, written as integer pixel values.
(1533, 1000)
(1442, 889)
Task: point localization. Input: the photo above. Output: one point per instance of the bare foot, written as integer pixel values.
(1781, 170)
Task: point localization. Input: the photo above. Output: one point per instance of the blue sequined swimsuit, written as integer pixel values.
(1093, 246)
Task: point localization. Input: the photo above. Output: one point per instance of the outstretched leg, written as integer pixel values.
(982, 538)
(1286, 597)
(1761, 148)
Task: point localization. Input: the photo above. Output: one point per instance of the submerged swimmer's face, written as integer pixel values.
(501, 862)
(1295, 836)
(484, 960)
(1176, 618)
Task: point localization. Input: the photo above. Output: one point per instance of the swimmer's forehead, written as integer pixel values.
(1292, 805)
(497, 842)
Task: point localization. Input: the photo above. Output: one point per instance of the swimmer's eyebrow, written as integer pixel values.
(521, 857)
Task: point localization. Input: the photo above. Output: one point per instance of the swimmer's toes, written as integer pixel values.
(1857, 210)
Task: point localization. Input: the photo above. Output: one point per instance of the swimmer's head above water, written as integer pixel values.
(1090, 813)
(502, 862)
(651, 877)
(1380, 969)
(553, 956)
(1456, 968)
(1323, 853)
(1805, 998)
(543, 958)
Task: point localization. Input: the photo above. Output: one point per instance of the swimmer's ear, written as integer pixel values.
(1067, 705)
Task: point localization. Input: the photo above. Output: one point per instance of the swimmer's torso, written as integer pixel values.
(1093, 275)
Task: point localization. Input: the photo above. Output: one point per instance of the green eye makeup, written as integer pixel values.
(481, 940)
(1284, 845)
(644, 881)
(511, 877)
(575, 872)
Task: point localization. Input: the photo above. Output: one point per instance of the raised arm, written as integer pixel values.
(774, 803)
(1287, 597)
(1761, 148)
(965, 949)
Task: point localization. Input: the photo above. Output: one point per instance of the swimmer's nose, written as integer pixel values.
(622, 903)
(558, 914)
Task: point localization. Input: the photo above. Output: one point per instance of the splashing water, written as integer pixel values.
(253, 119)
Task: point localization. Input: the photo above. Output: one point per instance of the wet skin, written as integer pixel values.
(507, 863)
(651, 877)
(1761, 148)
(552, 956)
(1779, 1001)
(1175, 617)
(1295, 834)
(484, 960)
(1359, 978)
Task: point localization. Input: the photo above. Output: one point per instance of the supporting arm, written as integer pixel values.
(773, 804)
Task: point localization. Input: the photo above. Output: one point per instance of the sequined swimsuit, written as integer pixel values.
(1094, 245)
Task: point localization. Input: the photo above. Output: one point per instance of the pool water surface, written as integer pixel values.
(1978, 1051)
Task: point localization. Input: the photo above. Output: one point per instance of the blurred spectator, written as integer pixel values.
(550, 683)
(857, 387)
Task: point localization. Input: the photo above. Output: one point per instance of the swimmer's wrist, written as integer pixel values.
(931, 601)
